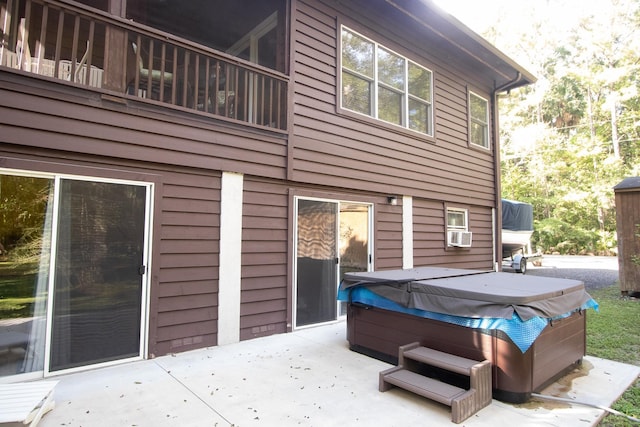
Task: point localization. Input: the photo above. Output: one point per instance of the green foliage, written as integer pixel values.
(567, 140)
(556, 236)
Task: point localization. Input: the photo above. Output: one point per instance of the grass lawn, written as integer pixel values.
(614, 334)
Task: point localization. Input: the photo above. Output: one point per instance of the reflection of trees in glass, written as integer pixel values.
(390, 106)
(356, 94)
(100, 233)
(401, 88)
(391, 75)
(357, 54)
(357, 75)
(23, 205)
(419, 83)
(390, 69)
(479, 111)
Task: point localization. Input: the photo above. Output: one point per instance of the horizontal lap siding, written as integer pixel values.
(264, 299)
(187, 293)
(342, 151)
(429, 239)
(388, 236)
(75, 123)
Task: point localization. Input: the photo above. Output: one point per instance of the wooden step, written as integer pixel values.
(418, 384)
(463, 403)
(438, 359)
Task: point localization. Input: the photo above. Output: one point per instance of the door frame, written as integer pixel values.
(145, 277)
(370, 246)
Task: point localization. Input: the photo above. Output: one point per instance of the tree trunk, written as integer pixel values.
(614, 129)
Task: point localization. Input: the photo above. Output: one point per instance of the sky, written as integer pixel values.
(481, 14)
(513, 17)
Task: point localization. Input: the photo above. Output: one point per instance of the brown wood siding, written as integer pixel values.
(628, 220)
(429, 237)
(185, 234)
(39, 114)
(388, 236)
(342, 151)
(187, 293)
(264, 299)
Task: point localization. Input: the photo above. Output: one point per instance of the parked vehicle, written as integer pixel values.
(517, 228)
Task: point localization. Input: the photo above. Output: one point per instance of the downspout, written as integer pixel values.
(497, 232)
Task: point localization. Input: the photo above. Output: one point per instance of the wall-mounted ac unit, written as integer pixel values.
(460, 239)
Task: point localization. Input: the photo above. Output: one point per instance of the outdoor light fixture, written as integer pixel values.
(392, 200)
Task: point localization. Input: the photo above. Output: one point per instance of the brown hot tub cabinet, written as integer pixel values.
(378, 331)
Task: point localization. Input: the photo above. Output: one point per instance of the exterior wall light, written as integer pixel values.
(392, 200)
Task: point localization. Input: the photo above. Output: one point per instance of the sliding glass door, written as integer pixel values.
(316, 262)
(332, 238)
(72, 272)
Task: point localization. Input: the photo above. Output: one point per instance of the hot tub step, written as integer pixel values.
(463, 403)
(418, 384)
(438, 359)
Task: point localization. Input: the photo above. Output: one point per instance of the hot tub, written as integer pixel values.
(532, 329)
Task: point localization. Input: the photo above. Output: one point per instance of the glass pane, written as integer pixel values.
(354, 240)
(357, 53)
(479, 108)
(389, 106)
(419, 114)
(391, 69)
(25, 235)
(419, 82)
(317, 280)
(268, 49)
(479, 134)
(456, 219)
(356, 94)
(98, 286)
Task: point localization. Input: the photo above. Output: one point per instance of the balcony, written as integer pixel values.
(87, 47)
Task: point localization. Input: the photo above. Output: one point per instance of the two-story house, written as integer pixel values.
(180, 174)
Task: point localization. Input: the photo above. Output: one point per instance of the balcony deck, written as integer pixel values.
(85, 47)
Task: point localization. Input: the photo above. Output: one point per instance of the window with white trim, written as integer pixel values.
(379, 83)
(458, 234)
(457, 219)
(478, 120)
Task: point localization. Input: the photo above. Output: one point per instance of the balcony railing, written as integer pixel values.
(96, 50)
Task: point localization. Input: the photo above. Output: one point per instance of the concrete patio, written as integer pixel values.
(307, 378)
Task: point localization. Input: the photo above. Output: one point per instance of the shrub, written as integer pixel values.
(553, 235)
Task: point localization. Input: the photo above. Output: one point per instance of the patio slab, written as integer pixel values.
(309, 378)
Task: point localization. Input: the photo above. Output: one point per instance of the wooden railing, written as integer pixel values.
(90, 48)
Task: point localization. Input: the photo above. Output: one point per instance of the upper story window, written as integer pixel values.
(478, 120)
(380, 83)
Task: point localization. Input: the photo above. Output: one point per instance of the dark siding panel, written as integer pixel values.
(429, 239)
(188, 262)
(264, 259)
(394, 159)
(43, 121)
(388, 236)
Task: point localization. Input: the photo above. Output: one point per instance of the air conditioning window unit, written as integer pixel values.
(460, 239)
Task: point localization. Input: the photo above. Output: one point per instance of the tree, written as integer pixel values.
(568, 139)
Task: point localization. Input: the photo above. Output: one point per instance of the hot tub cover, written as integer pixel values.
(521, 306)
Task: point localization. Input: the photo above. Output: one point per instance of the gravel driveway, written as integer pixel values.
(595, 271)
